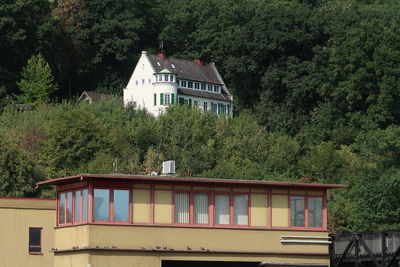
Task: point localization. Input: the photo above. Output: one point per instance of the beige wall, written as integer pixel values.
(178, 238)
(16, 216)
(162, 206)
(141, 206)
(280, 211)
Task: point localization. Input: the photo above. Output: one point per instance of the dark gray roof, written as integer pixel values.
(185, 69)
(191, 70)
(198, 93)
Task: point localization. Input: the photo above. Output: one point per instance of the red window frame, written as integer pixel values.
(111, 205)
(232, 209)
(73, 222)
(35, 246)
(306, 212)
(191, 206)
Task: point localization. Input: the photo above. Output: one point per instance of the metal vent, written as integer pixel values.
(168, 167)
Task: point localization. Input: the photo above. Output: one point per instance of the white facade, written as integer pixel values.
(157, 83)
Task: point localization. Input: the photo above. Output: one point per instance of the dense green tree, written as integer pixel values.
(37, 83)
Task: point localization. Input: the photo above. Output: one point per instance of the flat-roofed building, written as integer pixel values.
(132, 220)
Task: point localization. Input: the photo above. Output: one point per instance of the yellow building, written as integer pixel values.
(157, 221)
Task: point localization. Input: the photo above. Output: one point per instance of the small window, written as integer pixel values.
(69, 207)
(203, 86)
(142, 81)
(240, 209)
(297, 211)
(167, 99)
(121, 205)
(178, 82)
(137, 82)
(181, 207)
(222, 213)
(195, 103)
(186, 101)
(77, 210)
(190, 84)
(35, 240)
(224, 109)
(101, 204)
(158, 64)
(200, 202)
(205, 106)
(61, 208)
(84, 204)
(166, 78)
(209, 87)
(171, 78)
(149, 80)
(216, 88)
(196, 85)
(183, 83)
(214, 108)
(315, 212)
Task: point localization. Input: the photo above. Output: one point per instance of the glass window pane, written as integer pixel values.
(69, 207)
(296, 211)
(34, 236)
(181, 207)
(240, 209)
(84, 204)
(101, 204)
(61, 208)
(222, 209)
(315, 212)
(201, 208)
(121, 205)
(77, 206)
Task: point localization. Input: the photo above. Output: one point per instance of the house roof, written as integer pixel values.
(190, 70)
(95, 97)
(183, 180)
(186, 69)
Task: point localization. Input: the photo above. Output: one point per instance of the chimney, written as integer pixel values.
(199, 61)
(162, 54)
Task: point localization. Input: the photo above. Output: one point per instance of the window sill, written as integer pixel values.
(36, 253)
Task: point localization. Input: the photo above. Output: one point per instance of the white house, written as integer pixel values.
(158, 82)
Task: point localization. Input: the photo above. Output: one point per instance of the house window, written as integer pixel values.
(101, 204)
(121, 205)
(315, 212)
(137, 82)
(178, 82)
(69, 207)
(200, 201)
(297, 211)
(214, 108)
(149, 80)
(166, 78)
(190, 84)
(186, 101)
(209, 87)
(171, 78)
(205, 106)
(35, 240)
(61, 209)
(173, 66)
(84, 204)
(142, 81)
(183, 83)
(222, 209)
(181, 207)
(216, 88)
(224, 109)
(167, 99)
(78, 206)
(196, 85)
(240, 209)
(158, 64)
(203, 86)
(195, 103)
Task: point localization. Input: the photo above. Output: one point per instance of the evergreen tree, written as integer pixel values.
(37, 83)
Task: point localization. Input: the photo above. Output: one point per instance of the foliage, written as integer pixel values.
(37, 82)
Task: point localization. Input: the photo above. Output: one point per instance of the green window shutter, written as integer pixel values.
(228, 109)
(190, 102)
(161, 99)
(219, 108)
(172, 99)
(155, 99)
(181, 101)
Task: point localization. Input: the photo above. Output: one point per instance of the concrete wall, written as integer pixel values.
(16, 216)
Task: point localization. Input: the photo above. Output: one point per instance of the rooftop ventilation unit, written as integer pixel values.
(168, 167)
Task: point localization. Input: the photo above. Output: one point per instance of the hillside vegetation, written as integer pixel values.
(315, 82)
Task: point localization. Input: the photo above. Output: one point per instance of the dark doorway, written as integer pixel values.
(208, 264)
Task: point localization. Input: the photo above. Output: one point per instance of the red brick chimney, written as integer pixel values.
(162, 54)
(199, 61)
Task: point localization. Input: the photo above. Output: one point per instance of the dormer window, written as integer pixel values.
(177, 82)
(173, 66)
(190, 84)
(209, 87)
(183, 83)
(196, 85)
(158, 64)
(203, 86)
(216, 88)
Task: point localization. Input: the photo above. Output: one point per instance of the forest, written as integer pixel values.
(316, 86)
